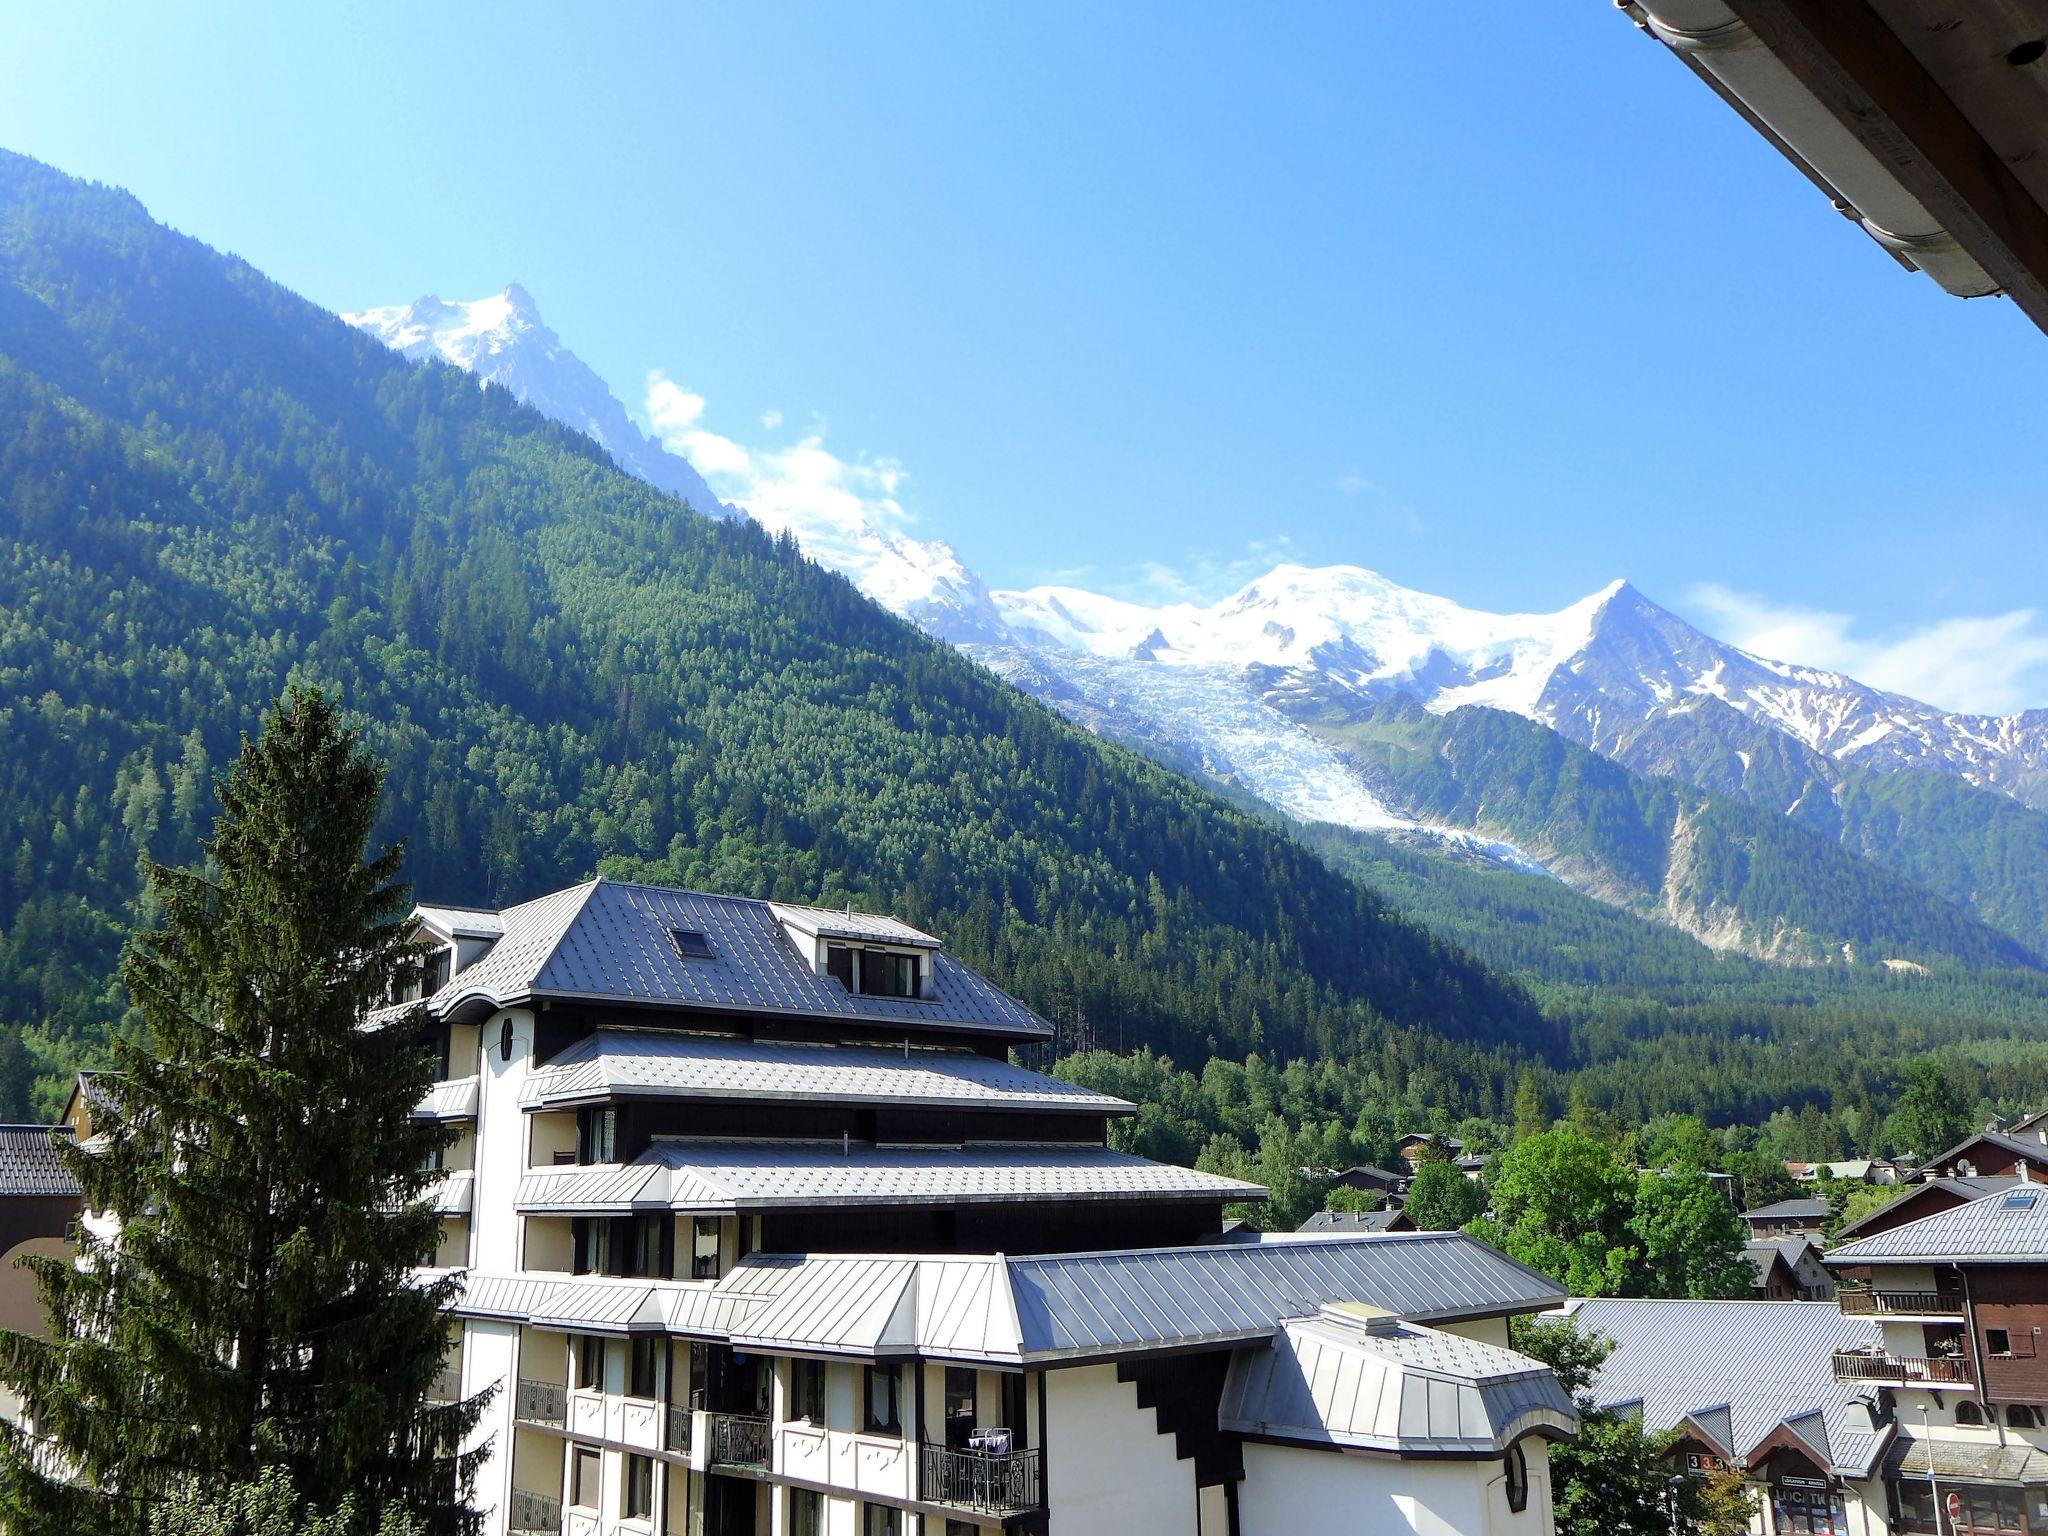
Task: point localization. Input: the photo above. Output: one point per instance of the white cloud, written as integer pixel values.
(671, 408)
(770, 420)
(1204, 577)
(1993, 664)
(1352, 483)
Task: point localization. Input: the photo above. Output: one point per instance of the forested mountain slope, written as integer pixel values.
(210, 486)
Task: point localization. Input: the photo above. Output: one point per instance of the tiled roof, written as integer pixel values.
(1755, 1364)
(609, 941)
(622, 1063)
(693, 1175)
(1799, 1209)
(28, 1162)
(1334, 1379)
(2010, 1225)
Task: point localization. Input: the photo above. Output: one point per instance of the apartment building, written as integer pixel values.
(761, 1231)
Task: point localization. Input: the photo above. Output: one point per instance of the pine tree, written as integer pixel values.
(254, 1307)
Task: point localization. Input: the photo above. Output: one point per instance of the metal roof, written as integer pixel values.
(688, 1174)
(608, 941)
(1967, 1461)
(2007, 1226)
(453, 1099)
(1763, 1250)
(453, 1192)
(2033, 1151)
(1339, 1380)
(29, 1165)
(1962, 1189)
(462, 922)
(831, 923)
(1353, 1221)
(1755, 1364)
(1798, 1208)
(621, 1063)
(1016, 1311)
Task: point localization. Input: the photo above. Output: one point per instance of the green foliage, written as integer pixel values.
(1574, 1354)
(1441, 1199)
(1617, 1479)
(1562, 1203)
(263, 1170)
(1342, 1197)
(269, 1506)
(1689, 1236)
(209, 488)
(1860, 1200)
(1930, 1117)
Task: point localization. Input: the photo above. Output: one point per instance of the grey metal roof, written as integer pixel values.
(707, 1175)
(1759, 1364)
(623, 1063)
(462, 922)
(1967, 1461)
(1791, 1210)
(831, 923)
(1101, 1303)
(453, 1192)
(1383, 1385)
(1962, 1189)
(2008, 1226)
(453, 1099)
(29, 1164)
(608, 941)
(1762, 1251)
(1352, 1221)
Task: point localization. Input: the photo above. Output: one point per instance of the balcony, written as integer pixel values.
(1861, 1302)
(988, 1484)
(676, 1432)
(1905, 1370)
(738, 1440)
(446, 1387)
(535, 1512)
(542, 1402)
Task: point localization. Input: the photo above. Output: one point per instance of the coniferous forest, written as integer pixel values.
(210, 489)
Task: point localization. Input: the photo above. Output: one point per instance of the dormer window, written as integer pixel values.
(691, 944)
(875, 972)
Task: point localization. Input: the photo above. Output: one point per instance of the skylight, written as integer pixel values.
(691, 944)
(2019, 1200)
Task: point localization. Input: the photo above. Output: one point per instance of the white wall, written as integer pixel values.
(1108, 1471)
(1297, 1491)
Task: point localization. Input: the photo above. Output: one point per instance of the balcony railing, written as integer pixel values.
(1006, 1484)
(446, 1387)
(738, 1439)
(536, 1512)
(1863, 1302)
(677, 1434)
(1914, 1370)
(542, 1402)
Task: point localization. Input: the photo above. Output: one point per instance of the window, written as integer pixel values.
(691, 944)
(885, 1400)
(593, 1243)
(807, 1391)
(806, 1512)
(1015, 1418)
(880, 1520)
(704, 1248)
(1969, 1413)
(586, 1477)
(505, 1041)
(2023, 1416)
(643, 1366)
(839, 964)
(1998, 1341)
(873, 972)
(636, 1498)
(959, 1406)
(597, 1135)
(1517, 1467)
(590, 1365)
(647, 1246)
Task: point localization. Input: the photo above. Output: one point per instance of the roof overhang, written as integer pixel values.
(1921, 120)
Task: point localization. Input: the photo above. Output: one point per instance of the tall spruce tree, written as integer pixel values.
(251, 1303)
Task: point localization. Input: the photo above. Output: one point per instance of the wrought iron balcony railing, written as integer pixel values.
(542, 1402)
(988, 1483)
(676, 1436)
(535, 1512)
(738, 1439)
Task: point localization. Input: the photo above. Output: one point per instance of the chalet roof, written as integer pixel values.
(2033, 1151)
(1373, 1171)
(1354, 1221)
(1962, 1189)
(609, 941)
(29, 1166)
(736, 1175)
(629, 1063)
(1766, 1251)
(999, 1309)
(1453, 1142)
(1748, 1366)
(1801, 1208)
(2007, 1226)
(1365, 1383)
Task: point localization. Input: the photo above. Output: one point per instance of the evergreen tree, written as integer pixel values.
(255, 1307)
(1532, 1111)
(1930, 1118)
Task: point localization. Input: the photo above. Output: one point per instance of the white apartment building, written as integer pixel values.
(761, 1232)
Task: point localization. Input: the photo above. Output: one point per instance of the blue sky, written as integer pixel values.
(1150, 296)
